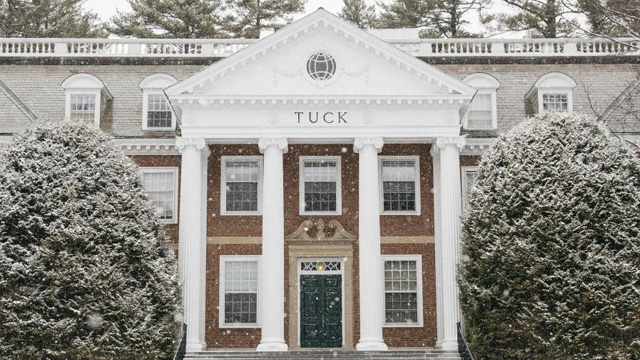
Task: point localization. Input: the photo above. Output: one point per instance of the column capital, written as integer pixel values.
(459, 141)
(281, 143)
(183, 143)
(376, 142)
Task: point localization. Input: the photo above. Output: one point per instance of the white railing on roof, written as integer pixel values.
(193, 48)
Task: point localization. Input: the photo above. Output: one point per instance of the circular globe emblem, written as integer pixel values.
(321, 66)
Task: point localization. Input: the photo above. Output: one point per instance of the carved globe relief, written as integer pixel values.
(321, 66)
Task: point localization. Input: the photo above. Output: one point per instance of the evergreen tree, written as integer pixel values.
(358, 13)
(249, 17)
(439, 18)
(188, 19)
(85, 270)
(610, 18)
(542, 18)
(48, 18)
(551, 245)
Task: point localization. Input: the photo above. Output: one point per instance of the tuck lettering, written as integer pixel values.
(327, 117)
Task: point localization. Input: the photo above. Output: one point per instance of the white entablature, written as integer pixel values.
(371, 88)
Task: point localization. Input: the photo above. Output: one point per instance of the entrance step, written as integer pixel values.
(325, 355)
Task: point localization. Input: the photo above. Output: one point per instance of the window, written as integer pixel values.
(482, 113)
(241, 185)
(156, 109)
(82, 107)
(86, 98)
(403, 290)
(400, 185)
(239, 291)
(320, 185)
(161, 185)
(555, 102)
(469, 174)
(552, 92)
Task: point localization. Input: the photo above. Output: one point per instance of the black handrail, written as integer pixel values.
(182, 347)
(463, 347)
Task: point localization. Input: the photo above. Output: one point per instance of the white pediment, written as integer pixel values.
(276, 67)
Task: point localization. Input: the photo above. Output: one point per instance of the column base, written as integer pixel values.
(195, 346)
(275, 345)
(371, 345)
(449, 345)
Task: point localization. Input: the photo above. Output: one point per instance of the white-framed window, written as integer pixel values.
(402, 290)
(469, 174)
(555, 101)
(320, 185)
(161, 185)
(157, 114)
(239, 291)
(483, 111)
(241, 185)
(399, 185)
(86, 98)
(552, 92)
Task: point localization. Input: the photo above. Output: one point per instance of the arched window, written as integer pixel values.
(86, 98)
(552, 92)
(156, 110)
(482, 113)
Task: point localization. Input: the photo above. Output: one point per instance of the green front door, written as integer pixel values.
(321, 311)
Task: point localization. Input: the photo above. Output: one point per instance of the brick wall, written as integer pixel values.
(164, 161)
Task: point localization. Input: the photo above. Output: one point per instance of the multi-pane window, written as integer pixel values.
(480, 115)
(241, 185)
(400, 186)
(82, 107)
(320, 185)
(158, 112)
(161, 187)
(469, 180)
(402, 290)
(239, 291)
(555, 102)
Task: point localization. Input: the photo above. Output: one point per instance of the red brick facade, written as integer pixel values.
(251, 227)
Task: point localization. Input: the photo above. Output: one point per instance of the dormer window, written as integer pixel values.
(552, 92)
(482, 113)
(157, 114)
(86, 98)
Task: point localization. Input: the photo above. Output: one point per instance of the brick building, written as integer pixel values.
(312, 181)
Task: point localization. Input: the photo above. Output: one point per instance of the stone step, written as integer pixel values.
(325, 355)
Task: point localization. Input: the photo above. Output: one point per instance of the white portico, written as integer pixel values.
(319, 81)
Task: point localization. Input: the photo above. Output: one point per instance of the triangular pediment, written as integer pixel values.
(277, 67)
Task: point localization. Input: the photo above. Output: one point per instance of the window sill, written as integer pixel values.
(402, 325)
(239, 326)
(401, 213)
(157, 129)
(321, 213)
(241, 213)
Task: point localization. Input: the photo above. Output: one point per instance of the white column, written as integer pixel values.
(435, 154)
(272, 264)
(450, 202)
(371, 270)
(192, 242)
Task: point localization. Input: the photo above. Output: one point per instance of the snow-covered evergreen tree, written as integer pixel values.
(85, 270)
(551, 249)
(359, 13)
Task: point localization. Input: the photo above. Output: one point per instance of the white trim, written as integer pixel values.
(302, 201)
(419, 289)
(299, 287)
(86, 84)
(416, 160)
(92, 92)
(486, 84)
(555, 91)
(465, 186)
(155, 84)
(223, 185)
(221, 291)
(174, 171)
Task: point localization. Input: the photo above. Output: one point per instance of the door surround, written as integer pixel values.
(307, 252)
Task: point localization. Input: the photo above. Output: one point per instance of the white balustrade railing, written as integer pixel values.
(190, 48)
